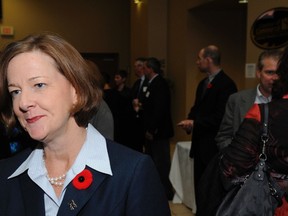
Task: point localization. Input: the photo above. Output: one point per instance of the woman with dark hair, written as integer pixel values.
(280, 88)
(48, 88)
(241, 157)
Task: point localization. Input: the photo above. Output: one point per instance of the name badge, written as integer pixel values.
(147, 94)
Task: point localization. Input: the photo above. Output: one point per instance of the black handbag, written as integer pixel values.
(257, 194)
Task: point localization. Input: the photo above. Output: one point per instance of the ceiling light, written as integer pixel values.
(243, 1)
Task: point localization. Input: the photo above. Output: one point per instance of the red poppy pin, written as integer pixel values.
(209, 85)
(83, 180)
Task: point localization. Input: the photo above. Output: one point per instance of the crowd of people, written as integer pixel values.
(52, 112)
(142, 115)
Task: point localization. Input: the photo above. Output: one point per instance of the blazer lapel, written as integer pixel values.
(75, 199)
(33, 196)
(247, 101)
(209, 87)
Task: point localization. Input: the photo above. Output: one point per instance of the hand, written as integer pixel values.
(186, 125)
(136, 105)
(149, 136)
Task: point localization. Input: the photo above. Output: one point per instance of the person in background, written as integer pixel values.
(239, 103)
(140, 85)
(4, 147)
(107, 81)
(13, 142)
(48, 87)
(206, 114)
(138, 91)
(103, 119)
(157, 121)
(119, 102)
(241, 156)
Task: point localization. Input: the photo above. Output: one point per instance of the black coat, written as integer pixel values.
(156, 109)
(207, 114)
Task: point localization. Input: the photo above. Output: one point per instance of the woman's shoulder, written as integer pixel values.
(122, 151)
(123, 156)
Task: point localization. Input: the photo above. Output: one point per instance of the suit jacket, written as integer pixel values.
(134, 189)
(138, 91)
(207, 114)
(120, 105)
(156, 109)
(137, 132)
(236, 108)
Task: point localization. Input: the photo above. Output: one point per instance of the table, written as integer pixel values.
(182, 175)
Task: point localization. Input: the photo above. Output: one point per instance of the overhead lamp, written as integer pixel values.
(137, 1)
(243, 1)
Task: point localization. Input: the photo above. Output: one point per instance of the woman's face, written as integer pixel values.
(42, 97)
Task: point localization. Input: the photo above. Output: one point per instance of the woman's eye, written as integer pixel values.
(14, 93)
(40, 85)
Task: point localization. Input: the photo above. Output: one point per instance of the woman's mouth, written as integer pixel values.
(34, 119)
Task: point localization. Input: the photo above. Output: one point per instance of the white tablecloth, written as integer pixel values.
(182, 176)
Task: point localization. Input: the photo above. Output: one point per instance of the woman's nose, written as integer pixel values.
(25, 101)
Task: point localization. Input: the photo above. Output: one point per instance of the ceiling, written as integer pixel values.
(223, 4)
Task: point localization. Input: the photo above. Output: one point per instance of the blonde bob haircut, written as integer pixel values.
(69, 63)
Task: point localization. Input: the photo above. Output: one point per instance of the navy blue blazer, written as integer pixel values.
(134, 189)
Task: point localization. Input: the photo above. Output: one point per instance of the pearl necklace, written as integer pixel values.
(57, 181)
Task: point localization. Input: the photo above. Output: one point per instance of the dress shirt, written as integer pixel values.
(207, 81)
(211, 77)
(260, 98)
(97, 160)
(142, 79)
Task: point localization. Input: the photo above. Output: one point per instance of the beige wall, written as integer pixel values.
(139, 29)
(149, 31)
(90, 25)
(179, 59)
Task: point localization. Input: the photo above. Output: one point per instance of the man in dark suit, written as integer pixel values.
(239, 103)
(205, 116)
(138, 93)
(157, 121)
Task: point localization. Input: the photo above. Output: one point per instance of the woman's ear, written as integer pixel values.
(74, 96)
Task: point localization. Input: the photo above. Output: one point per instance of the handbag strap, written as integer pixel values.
(264, 135)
